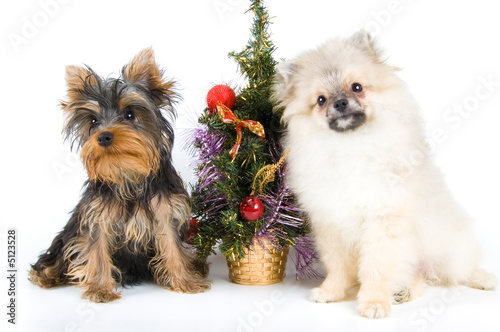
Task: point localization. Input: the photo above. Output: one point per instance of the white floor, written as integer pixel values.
(231, 307)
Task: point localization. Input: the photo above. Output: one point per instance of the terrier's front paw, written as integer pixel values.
(100, 295)
(190, 287)
(320, 295)
(374, 309)
(42, 279)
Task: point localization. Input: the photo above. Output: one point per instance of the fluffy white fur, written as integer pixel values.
(380, 212)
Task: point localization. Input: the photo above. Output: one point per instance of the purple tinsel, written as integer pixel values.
(306, 258)
(208, 144)
(205, 145)
(283, 211)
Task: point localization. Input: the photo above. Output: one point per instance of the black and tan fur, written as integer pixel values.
(128, 224)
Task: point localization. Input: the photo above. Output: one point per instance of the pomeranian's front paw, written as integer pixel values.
(402, 296)
(480, 279)
(320, 295)
(374, 309)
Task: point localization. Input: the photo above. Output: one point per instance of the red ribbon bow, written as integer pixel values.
(227, 116)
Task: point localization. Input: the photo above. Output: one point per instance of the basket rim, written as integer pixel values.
(262, 266)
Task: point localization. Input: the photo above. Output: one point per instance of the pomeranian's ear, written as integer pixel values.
(285, 71)
(365, 42)
(283, 85)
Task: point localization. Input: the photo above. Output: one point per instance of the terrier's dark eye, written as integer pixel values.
(321, 100)
(356, 88)
(94, 123)
(129, 115)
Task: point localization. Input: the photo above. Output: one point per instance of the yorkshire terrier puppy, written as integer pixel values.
(129, 223)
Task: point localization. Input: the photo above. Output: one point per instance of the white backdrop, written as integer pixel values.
(449, 52)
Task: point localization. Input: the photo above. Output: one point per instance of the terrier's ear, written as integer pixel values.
(365, 42)
(143, 70)
(76, 79)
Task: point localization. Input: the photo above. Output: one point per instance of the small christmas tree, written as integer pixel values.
(234, 199)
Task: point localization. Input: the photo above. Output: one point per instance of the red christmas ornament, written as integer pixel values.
(222, 93)
(192, 231)
(251, 208)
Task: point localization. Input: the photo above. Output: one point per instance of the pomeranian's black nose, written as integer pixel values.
(105, 139)
(341, 105)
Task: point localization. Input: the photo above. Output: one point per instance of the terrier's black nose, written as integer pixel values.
(341, 105)
(105, 139)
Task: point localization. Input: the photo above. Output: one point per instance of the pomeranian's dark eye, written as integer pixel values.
(321, 100)
(129, 115)
(356, 88)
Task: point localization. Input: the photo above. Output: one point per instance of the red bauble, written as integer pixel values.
(251, 208)
(221, 93)
(192, 231)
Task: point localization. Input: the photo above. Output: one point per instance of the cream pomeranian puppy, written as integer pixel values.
(352, 129)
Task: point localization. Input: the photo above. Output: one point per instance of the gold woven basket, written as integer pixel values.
(262, 265)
